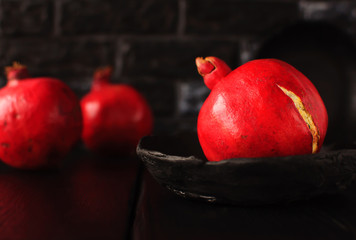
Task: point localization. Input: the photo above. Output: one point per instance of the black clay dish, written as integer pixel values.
(178, 163)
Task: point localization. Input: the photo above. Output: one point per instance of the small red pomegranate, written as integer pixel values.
(40, 120)
(115, 116)
(263, 108)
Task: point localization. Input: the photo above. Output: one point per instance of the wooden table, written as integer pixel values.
(93, 197)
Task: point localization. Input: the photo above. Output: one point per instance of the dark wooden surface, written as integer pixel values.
(87, 198)
(101, 198)
(162, 215)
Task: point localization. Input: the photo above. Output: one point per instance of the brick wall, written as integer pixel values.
(152, 44)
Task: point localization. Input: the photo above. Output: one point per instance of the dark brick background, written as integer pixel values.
(152, 44)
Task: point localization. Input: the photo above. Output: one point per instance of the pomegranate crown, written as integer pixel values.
(101, 76)
(103, 73)
(212, 69)
(16, 71)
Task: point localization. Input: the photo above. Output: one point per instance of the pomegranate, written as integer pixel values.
(263, 108)
(40, 120)
(115, 116)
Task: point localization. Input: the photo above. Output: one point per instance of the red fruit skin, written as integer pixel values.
(40, 121)
(248, 115)
(115, 118)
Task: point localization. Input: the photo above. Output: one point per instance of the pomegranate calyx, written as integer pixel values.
(16, 72)
(212, 69)
(101, 76)
(204, 67)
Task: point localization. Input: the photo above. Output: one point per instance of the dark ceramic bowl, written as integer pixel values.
(178, 163)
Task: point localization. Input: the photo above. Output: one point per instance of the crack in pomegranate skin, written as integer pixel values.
(307, 117)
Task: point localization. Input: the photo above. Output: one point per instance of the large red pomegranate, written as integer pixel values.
(115, 116)
(40, 120)
(263, 108)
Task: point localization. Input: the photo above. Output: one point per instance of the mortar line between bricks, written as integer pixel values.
(57, 17)
(187, 37)
(121, 48)
(182, 9)
(1, 17)
(100, 38)
(138, 38)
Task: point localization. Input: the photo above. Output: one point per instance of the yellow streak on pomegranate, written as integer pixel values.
(307, 117)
